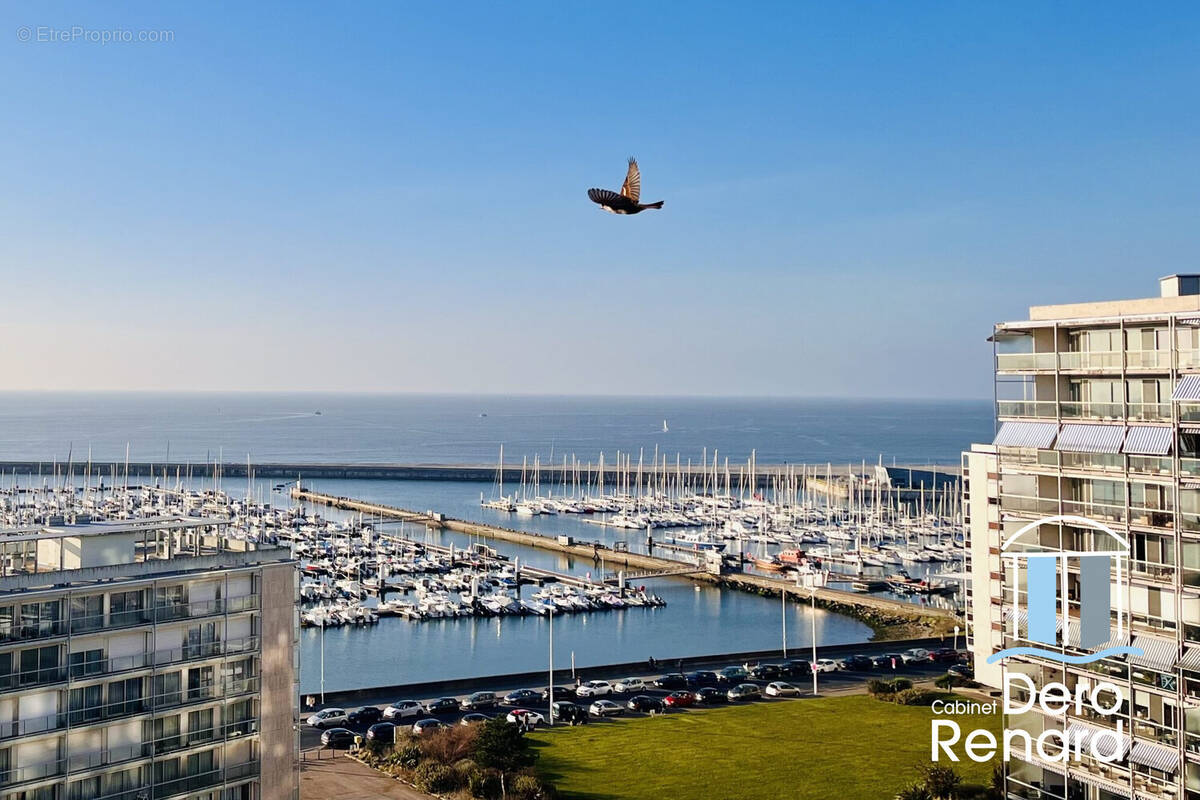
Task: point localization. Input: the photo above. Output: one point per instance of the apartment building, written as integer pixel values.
(1098, 417)
(145, 660)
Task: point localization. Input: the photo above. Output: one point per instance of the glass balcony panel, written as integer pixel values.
(1025, 361)
(1092, 410)
(1148, 359)
(1150, 411)
(1038, 409)
(1152, 465)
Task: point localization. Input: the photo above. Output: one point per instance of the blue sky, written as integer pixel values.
(392, 197)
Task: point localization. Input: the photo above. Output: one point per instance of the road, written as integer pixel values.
(839, 682)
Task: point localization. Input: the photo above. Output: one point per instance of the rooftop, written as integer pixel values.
(1179, 294)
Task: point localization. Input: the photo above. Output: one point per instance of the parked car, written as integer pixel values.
(732, 675)
(744, 691)
(402, 709)
(365, 716)
(883, 662)
(445, 705)
(338, 738)
(857, 661)
(570, 713)
(424, 727)
(522, 697)
(700, 678)
(896, 658)
(646, 704)
(679, 699)
(915, 654)
(605, 708)
(766, 672)
(382, 732)
(523, 716)
(560, 693)
(672, 680)
(594, 689)
(329, 718)
(962, 671)
(945, 655)
(709, 695)
(826, 665)
(478, 700)
(630, 685)
(474, 718)
(796, 668)
(781, 689)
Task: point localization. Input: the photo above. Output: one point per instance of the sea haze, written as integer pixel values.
(452, 429)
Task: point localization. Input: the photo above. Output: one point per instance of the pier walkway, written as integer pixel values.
(608, 560)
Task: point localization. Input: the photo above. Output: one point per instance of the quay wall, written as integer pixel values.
(375, 695)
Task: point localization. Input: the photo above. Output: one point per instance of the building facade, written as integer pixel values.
(146, 660)
(1097, 453)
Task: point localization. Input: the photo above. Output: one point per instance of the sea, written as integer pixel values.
(107, 428)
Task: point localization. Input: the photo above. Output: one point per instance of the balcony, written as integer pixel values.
(18, 632)
(1147, 359)
(1153, 465)
(1028, 409)
(1091, 360)
(1149, 412)
(1086, 409)
(205, 780)
(1026, 362)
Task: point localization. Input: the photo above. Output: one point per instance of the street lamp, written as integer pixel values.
(550, 715)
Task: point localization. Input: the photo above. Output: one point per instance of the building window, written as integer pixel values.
(6, 623)
(86, 789)
(41, 619)
(201, 641)
(125, 608)
(166, 771)
(87, 613)
(125, 697)
(86, 704)
(39, 665)
(89, 662)
(200, 726)
(166, 690)
(171, 602)
(199, 764)
(200, 682)
(166, 734)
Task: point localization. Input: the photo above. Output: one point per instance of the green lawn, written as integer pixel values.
(852, 748)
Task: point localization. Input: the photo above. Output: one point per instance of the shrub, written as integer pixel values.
(900, 684)
(942, 782)
(876, 687)
(916, 697)
(527, 787)
(435, 778)
(408, 755)
(914, 791)
(500, 745)
(484, 784)
(449, 745)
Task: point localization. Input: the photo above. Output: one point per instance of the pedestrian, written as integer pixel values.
(651, 662)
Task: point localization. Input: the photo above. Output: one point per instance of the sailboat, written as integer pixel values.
(665, 428)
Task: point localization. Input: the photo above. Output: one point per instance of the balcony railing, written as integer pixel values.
(1026, 361)
(1148, 359)
(194, 783)
(1036, 409)
(107, 667)
(1151, 465)
(18, 631)
(1149, 411)
(1093, 410)
(1092, 359)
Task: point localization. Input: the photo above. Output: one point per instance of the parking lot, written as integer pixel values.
(846, 679)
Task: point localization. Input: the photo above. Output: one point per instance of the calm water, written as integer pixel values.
(427, 429)
(450, 429)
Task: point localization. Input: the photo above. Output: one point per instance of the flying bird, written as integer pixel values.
(627, 201)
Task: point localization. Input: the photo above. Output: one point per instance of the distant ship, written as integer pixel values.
(665, 428)
(316, 413)
(481, 415)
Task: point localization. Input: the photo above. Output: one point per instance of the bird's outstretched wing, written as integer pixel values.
(606, 198)
(632, 188)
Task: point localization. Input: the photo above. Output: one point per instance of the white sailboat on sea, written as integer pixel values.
(665, 428)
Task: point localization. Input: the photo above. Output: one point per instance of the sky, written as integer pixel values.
(392, 197)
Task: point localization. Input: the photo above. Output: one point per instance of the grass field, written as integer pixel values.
(856, 748)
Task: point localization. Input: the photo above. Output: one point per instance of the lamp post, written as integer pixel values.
(783, 605)
(550, 714)
(322, 660)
